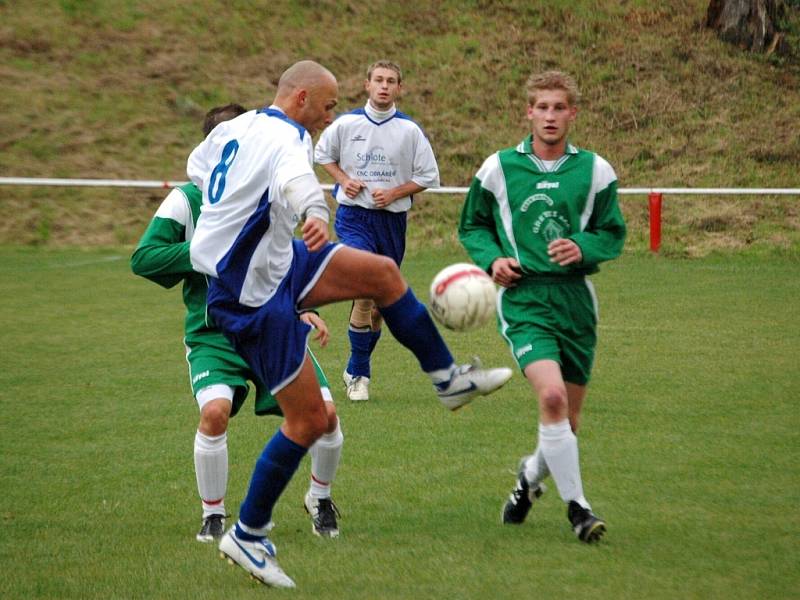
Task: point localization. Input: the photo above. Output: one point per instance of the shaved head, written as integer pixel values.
(305, 74)
(307, 93)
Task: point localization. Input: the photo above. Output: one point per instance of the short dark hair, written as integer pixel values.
(385, 64)
(219, 114)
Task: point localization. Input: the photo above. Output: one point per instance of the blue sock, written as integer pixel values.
(412, 326)
(360, 350)
(274, 468)
(373, 340)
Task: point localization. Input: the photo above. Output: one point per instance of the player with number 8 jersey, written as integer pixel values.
(260, 277)
(245, 234)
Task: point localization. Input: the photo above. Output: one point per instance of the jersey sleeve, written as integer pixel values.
(425, 170)
(327, 150)
(293, 161)
(162, 255)
(603, 235)
(197, 165)
(477, 229)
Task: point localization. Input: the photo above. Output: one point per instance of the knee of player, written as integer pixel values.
(387, 279)
(333, 419)
(316, 425)
(214, 418)
(387, 271)
(553, 400)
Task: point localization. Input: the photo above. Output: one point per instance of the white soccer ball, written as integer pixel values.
(463, 297)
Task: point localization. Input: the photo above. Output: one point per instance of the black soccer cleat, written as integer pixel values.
(520, 501)
(587, 526)
(323, 514)
(213, 529)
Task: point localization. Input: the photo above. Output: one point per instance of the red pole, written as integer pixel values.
(654, 201)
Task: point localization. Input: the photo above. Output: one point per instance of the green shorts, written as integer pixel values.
(213, 361)
(551, 318)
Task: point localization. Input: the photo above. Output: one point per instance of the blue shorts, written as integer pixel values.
(377, 231)
(271, 338)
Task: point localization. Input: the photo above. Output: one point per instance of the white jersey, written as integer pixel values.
(383, 150)
(246, 226)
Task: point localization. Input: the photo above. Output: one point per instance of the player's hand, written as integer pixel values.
(315, 234)
(383, 198)
(564, 252)
(323, 335)
(352, 187)
(506, 271)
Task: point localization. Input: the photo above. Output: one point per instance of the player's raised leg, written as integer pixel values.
(355, 274)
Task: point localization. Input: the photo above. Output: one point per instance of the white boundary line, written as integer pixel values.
(137, 183)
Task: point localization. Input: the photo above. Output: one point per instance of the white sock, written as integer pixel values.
(560, 449)
(325, 455)
(535, 467)
(441, 375)
(211, 469)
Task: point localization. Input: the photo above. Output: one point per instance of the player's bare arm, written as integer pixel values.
(384, 197)
(564, 252)
(506, 271)
(350, 186)
(311, 318)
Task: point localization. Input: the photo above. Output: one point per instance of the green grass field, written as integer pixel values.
(690, 448)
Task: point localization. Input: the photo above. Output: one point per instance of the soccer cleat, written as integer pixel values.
(520, 500)
(586, 525)
(257, 557)
(323, 516)
(357, 387)
(213, 528)
(468, 381)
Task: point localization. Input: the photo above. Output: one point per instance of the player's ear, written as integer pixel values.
(302, 97)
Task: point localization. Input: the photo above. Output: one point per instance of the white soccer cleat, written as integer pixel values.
(357, 387)
(468, 381)
(256, 557)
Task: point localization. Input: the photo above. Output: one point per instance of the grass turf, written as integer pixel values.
(689, 448)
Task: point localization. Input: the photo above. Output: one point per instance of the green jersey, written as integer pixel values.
(517, 204)
(162, 255)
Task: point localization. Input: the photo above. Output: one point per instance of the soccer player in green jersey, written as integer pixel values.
(539, 217)
(218, 374)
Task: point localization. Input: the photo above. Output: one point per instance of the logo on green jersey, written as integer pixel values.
(536, 198)
(551, 224)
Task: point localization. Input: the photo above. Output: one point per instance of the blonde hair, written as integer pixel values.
(385, 64)
(552, 80)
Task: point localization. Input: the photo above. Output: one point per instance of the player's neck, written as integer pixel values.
(549, 151)
(379, 114)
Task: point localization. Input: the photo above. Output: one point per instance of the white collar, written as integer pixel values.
(379, 115)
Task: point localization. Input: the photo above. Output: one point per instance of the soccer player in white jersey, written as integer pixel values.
(218, 375)
(258, 186)
(540, 217)
(379, 159)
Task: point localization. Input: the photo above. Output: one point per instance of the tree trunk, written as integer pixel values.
(750, 24)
